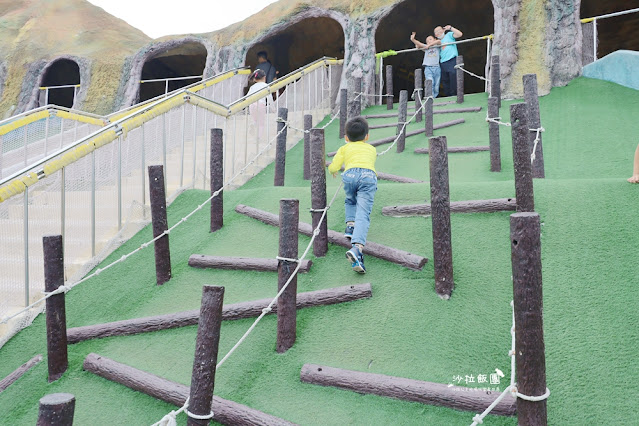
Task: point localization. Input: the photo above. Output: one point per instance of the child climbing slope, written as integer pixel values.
(360, 185)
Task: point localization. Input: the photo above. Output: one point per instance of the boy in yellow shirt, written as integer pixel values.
(360, 185)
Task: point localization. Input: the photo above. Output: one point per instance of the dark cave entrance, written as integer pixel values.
(474, 19)
(299, 44)
(616, 33)
(62, 72)
(185, 60)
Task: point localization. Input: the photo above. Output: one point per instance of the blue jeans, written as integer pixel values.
(360, 186)
(433, 74)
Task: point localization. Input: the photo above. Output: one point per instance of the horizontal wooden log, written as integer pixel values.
(409, 134)
(456, 397)
(439, 111)
(241, 263)
(457, 149)
(395, 178)
(233, 311)
(19, 372)
(472, 206)
(226, 412)
(401, 257)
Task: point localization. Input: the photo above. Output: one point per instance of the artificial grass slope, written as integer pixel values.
(589, 240)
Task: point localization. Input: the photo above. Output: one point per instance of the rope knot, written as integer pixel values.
(267, 310)
(478, 419)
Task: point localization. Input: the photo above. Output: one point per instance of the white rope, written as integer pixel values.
(279, 120)
(145, 245)
(59, 290)
(496, 121)
(422, 106)
(460, 67)
(512, 388)
(537, 138)
(268, 308)
(319, 210)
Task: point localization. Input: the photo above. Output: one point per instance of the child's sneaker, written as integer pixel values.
(355, 256)
(348, 233)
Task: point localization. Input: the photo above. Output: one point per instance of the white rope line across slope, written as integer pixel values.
(171, 416)
(422, 106)
(496, 120)
(279, 120)
(66, 288)
(512, 388)
(461, 67)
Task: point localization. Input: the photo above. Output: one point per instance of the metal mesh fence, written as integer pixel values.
(101, 200)
(588, 43)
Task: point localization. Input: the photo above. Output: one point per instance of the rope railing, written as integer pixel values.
(461, 67)
(539, 131)
(170, 418)
(512, 388)
(333, 118)
(98, 271)
(404, 124)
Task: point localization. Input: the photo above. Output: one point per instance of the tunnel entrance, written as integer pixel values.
(474, 19)
(299, 44)
(619, 32)
(60, 73)
(185, 60)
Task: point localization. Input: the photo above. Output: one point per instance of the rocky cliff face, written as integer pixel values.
(531, 36)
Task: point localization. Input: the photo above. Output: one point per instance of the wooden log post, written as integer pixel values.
(401, 257)
(440, 206)
(418, 93)
(318, 191)
(226, 412)
(56, 318)
(240, 263)
(428, 112)
(493, 135)
(56, 409)
(157, 196)
(217, 179)
(389, 87)
(401, 121)
(495, 79)
(534, 120)
(308, 124)
(286, 303)
(530, 356)
(235, 311)
(280, 147)
(472, 206)
(521, 158)
(459, 61)
(431, 393)
(205, 359)
(355, 105)
(19, 372)
(343, 112)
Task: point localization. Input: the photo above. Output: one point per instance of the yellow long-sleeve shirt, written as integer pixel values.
(354, 154)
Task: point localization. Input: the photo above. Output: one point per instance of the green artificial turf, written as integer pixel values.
(589, 241)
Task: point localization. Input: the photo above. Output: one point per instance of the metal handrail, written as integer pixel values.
(231, 109)
(49, 107)
(59, 87)
(610, 15)
(170, 79)
(466, 40)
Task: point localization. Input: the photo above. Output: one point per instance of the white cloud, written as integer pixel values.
(158, 18)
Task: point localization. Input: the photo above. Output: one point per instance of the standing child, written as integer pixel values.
(432, 71)
(360, 185)
(258, 109)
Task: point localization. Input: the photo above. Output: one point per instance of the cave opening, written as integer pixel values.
(616, 33)
(474, 19)
(186, 60)
(299, 44)
(62, 72)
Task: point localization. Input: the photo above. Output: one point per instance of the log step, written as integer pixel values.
(401, 257)
(438, 111)
(395, 178)
(456, 149)
(19, 372)
(472, 206)
(234, 311)
(240, 263)
(409, 134)
(456, 397)
(226, 412)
